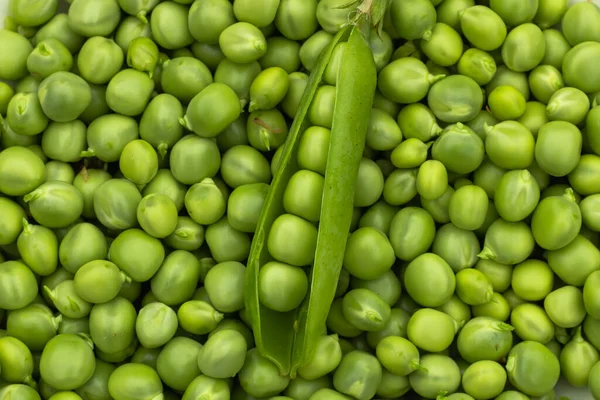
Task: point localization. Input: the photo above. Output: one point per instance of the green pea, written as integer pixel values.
(574, 262)
(311, 49)
(379, 216)
(534, 117)
(544, 81)
(12, 224)
(398, 355)
(244, 206)
(370, 184)
(508, 242)
(155, 325)
(176, 280)
(296, 19)
(457, 309)
(295, 230)
(506, 103)
(577, 359)
(388, 287)
(34, 325)
(532, 280)
(416, 121)
(589, 206)
(556, 48)
(138, 9)
(441, 281)
(245, 11)
(238, 76)
(499, 274)
(484, 338)
(281, 52)
(497, 308)
(375, 266)
(358, 375)
(137, 254)
(64, 141)
(482, 27)
(590, 329)
(58, 28)
(303, 389)
(593, 379)
(94, 18)
(99, 60)
(282, 287)
(412, 231)
(107, 136)
(459, 149)
(266, 129)
(321, 108)
(444, 45)
(16, 361)
(136, 153)
(489, 174)
(198, 317)
(383, 133)
(458, 247)
(576, 62)
(524, 47)
(532, 368)
(223, 355)
(225, 286)
(568, 104)
(55, 204)
(582, 178)
(406, 80)
(477, 65)
(313, 149)
(142, 55)
(291, 101)
(118, 356)
(97, 385)
(218, 100)
(484, 379)
(473, 287)
(160, 125)
(532, 323)
(18, 282)
(513, 12)
(432, 179)
(130, 28)
(169, 24)
(560, 300)
(20, 391)
(580, 23)
(517, 195)
(448, 12)
(552, 212)
(558, 147)
(203, 386)
(25, 115)
(134, 380)
(431, 340)
(64, 96)
(115, 203)
(471, 198)
(99, 281)
(184, 77)
(259, 369)
(112, 325)
(438, 374)
(222, 238)
(14, 67)
(38, 247)
(49, 56)
(365, 310)
(59, 171)
(157, 215)
(129, 92)
(67, 361)
(193, 159)
(242, 42)
(550, 12)
(414, 21)
(590, 298)
(177, 362)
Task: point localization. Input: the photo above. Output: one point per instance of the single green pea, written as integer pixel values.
(582, 178)
(242, 42)
(112, 325)
(406, 80)
(223, 355)
(137, 254)
(532, 280)
(441, 282)
(32, 14)
(580, 23)
(193, 159)
(291, 102)
(244, 206)
(205, 202)
(383, 133)
(416, 121)
(517, 195)
(432, 179)
(444, 46)
(225, 286)
(160, 125)
(589, 211)
(532, 368)
(295, 230)
(12, 224)
(514, 12)
(239, 77)
(108, 135)
(484, 338)
(227, 243)
(188, 235)
(136, 154)
(473, 287)
(574, 262)
(177, 278)
(552, 212)
(64, 96)
(558, 147)
(550, 12)
(99, 281)
(155, 325)
(459, 149)
(458, 247)
(16, 361)
(556, 47)
(130, 28)
(218, 100)
(506, 103)
(568, 104)
(497, 308)
(398, 355)
(260, 369)
(19, 48)
(432, 340)
(115, 203)
(59, 171)
(129, 379)
(67, 361)
(565, 298)
(198, 317)
(438, 374)
(577, 359)
(296, 19)
(457, 309)
(25, 115)
(313, 149)
(203, 386)
(281, 52)
(58, 28)
(370, 185)
(97, 385)
(6, 93)
(177, 362)
(38, 247)
(365, 310)
(136, 8)
(534, 117)
(129, 92)
(21, 171)
(55, 204)
(544, 81)
(380, 216)
(484, 379)
(210, 54)
(590, 298)
(478, 65)
(448, 12)
(236, 134)
(34, 325)
(358, 375)
(282, 287)
(524, 47)
(184, 78)
(482, 27)
(64, 141)
(169, 25)
(414, 21)
(508, 242)
(99, 60)
(488, 175)
(266, 130)
(303, 195)
(468, 207)
(94, 18)
(245, 11)
(300, 388)
(321, 108)
(576, 68)
(374, 267)
(49, 56)
(532, 323)
(439, 208)
(207, 20)
(411, 233)
(142, 55)
(311, 49)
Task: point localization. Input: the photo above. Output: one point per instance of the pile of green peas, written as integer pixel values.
(138, 142)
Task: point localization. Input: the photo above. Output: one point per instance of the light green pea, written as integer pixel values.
(223, 354)
(478, 65)
(497, 308)
(260, 369)
(282, 287)
(157, 215)
(532, 368)
(459, 247)
(38, 247)
(64, 96)
(508, 242)
(25, 115)
(411, 153)
(532, 323)
(506, 103)
(49, 56)
(311, 49)
(19, 48)
(482, 27)
(468, 207)
(568, 104)
(534, 117)
(137, 254)
(99, 60)
(55, 204)
(242, 42)
(558, 147)
(544, 81)
(517, 195)
(524, 47)
(444, 46)
(560, 300)
(129, 92)
(138, 162)
(438, 374)
(432, 179)
(473, 287)
(226, 243)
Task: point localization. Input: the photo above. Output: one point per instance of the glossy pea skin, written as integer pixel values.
(55, 204)
(217, 100)
(556, 48)
(551, 213)
(21, 171)
(532, 368)
(432, 179)
(137, 254)
(25, 115)
(544, 81)
(142, 54)
(169, 24)
(99, 281)
(568, 104)
(416, 121)
(38, 247)
(176, 280)
(112, 325)
(509, 145)
(107, 136)
(94, 18)
(49, 56)
(184, 78)
(134, 380)
(245, 11)
(244, 206)
(577, 359)
(222, 238)
(484, 379)
(576, 62)
(67, 361)
(296, 19)
(259, 369)
(558, 147)
(580, 23)
(12, 221)
(532, 280)
(473, 287)
(468, 207)
(15, 66)
(413, 21)
(589, 211)
(517, 195)
(582, 178)
(266, 129)
(459, 247)
(115, 203)
(208, 19)
(508, 242)
(379, 216)
(524, 47)
(358, 375)
(193, 159)
(157, 215)
(593, 379)
(365, 310)
(155, 325)
(565, 298)
(135, 154)
(459, 149)
(177, 362)
(325, 359)
(550, 12)
(499, 274)
(372, 267)
(478, 65)
(483, 28)
(224, 283)
(383, 133)
(532, 323)
(242, 42)
(99, 60)
(412, 231)
(31, 13)
(291, 102)
(16, 361)
(441, 280)
(484, 338)
(282, 287)
(223, 355)
(20, 391)
(67, 301)
(593, 129)
(438, 373)
(444, 46)
(129, 92)
(419, 330)
(574, 262)
(64, 141)
(405, 80)
(456, 98)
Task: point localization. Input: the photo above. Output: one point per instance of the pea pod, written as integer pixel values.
(289, 339)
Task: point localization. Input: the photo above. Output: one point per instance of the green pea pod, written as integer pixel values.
(289, 339)
(38, 247)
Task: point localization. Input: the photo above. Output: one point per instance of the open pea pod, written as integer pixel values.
(288, 339)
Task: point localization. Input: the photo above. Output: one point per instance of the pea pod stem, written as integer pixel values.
(289, 339)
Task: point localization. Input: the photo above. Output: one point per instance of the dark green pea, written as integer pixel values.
(244, 206)
(468, 207)
(379, 216)
(406, 80)
(576, 67)
(281, 52)
(444, 46)
(508, 242)
(296, 19)
(137, 254)
(49, 56)
(15, 66)
(82, 244)
(25, 115)
(580, 23)
(210, 54)
(409, 49)
(532, 323)
(155, 325)
(97, 386)
(517, 195)
(473, 287)
(74, 325)
(544, 81)
(565, 298)
(556, 47)
(321, 108)
(221, 238)
(99, 281)
(67, 361)
(177, 278)
(484, 338)
(16, 361)
(108, 135)
(193, 159)
(118, 356)
(237, 325)
(99, 60)
(184, 78)
(514, 12)
(129, 92)
(58, 28)
(482, 27)
(582, 178)
(94, 18)
(413, 21)
(260, 369)
(478, 65)
(311, 49)
(160, 125)
(112, 325)
(332, 15)
(266, 129)
(169, 25)
(132, 380)
(115, 204)
(552, 212)
(328, 394)
(6, 93)
(399, 188)
(381, 46)
(558, 147)
(236, 134)
(38, 247)
(337, 323)
(593, 129)
(534, 117)
(19, 391)
(568, 104)
(591, 327)
(137, 8)
(532, 368)
(282, 287)
(208, 19)
(55, 204)
(223, 355)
